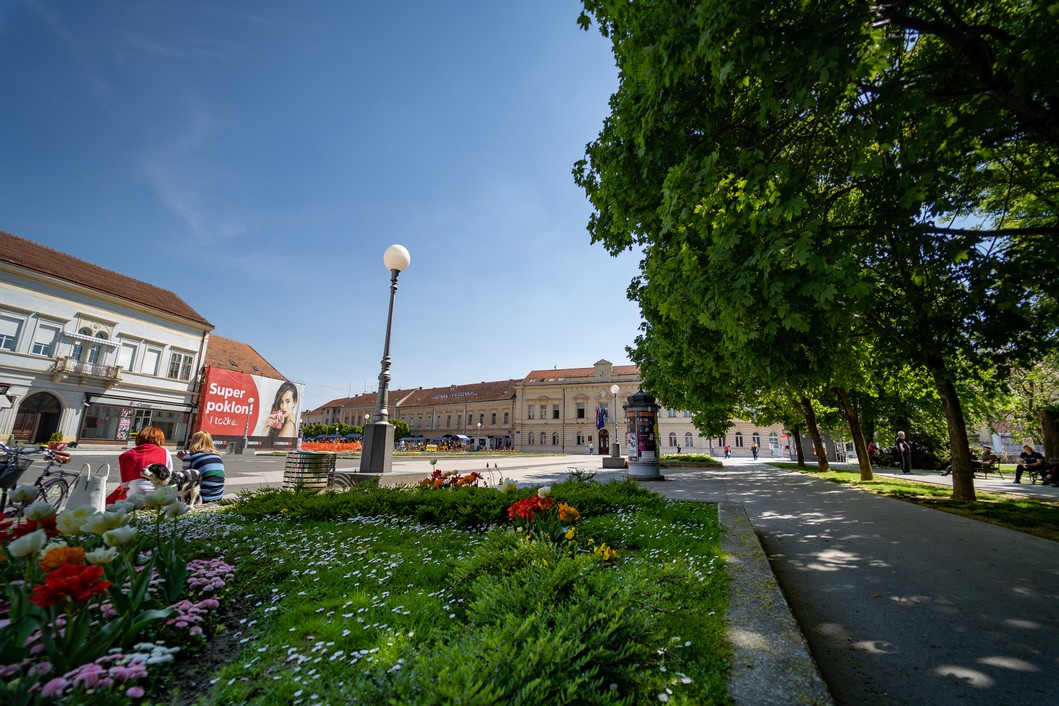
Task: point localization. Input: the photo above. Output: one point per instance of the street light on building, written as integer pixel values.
(377, 455)
(615, 450)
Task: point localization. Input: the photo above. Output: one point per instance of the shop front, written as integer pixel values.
(114, 420)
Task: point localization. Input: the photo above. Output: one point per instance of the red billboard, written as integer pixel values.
(264, 410)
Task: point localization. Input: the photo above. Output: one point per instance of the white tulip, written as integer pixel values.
(175, 509)
(160, 497)
(544, 491)
(40, 510)
(119, 536)
(24, 494)
(27, 544)
(72, 522)
(101, 556)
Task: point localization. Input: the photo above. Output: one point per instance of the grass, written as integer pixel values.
(689, 459)
(1039, 517)
(422, 596)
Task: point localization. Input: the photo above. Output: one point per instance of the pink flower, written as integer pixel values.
(135, 692)
(54, 688)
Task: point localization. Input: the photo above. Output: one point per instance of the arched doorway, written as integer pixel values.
(37, 418)
(604, 442)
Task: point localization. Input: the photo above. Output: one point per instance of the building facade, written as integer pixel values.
(89, 354)
(548, 411)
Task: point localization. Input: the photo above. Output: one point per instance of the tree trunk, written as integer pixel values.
(1049, 421)
(962, 473)
(805, 406)
(853, 419)
(798, 445)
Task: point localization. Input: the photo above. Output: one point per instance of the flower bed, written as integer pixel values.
(94, 600)
(582, 593)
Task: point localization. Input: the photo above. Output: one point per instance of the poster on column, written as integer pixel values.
(265, 410)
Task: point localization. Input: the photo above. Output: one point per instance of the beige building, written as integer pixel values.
(547, 411)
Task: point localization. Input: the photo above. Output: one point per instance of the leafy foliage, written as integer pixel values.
(805, 176)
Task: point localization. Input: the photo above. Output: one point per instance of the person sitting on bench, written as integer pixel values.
(1032, 461)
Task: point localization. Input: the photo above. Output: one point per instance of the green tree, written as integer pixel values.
(824, 170)
(400, 428)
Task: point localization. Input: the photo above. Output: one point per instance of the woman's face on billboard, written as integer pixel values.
(286, 402)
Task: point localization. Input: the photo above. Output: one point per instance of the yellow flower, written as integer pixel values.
(60, 555)
(605, 553)
(570, 533)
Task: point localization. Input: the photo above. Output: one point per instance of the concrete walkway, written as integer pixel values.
(901, 604)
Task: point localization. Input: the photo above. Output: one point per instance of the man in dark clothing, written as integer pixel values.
(904, 451)
(1029, 460)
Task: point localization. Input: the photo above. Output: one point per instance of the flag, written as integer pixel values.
(601, 418)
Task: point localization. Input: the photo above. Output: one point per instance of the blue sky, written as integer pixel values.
(258, 157)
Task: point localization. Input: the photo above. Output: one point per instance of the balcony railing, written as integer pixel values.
(67, 367)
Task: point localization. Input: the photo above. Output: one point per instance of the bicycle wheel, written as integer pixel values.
(54, 491)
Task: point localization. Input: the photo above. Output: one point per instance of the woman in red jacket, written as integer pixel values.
(149, 449)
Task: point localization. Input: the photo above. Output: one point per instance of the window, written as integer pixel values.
(151, 359)
(689, 441)
(774, 441)
(420, 423)
(756, 439)
(687, 413)
(529, 412)
(580, 412)
(180, 366)
(672, 438)
(544, 438)
(531, 439)
(544, 411)
(555, 411)
(507, 417)
(10, 327)
(492, 418)
(44, 341)
(459, 420)
(739, 439)
(671, 413)
(96, 350)
(481, 418)
(448, 421)
(555, 438)
(127, 355)
(79, 345)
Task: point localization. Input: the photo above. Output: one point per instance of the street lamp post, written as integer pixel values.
(615, 450)
(246, 426)
(477, 439)
(377, 454)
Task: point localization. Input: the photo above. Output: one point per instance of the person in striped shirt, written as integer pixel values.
(202, 456)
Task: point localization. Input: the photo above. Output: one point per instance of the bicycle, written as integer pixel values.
(53, 486)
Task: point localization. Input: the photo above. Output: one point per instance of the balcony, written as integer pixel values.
(67, 368)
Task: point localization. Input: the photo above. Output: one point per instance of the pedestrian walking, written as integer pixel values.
(753, 450)
(727, 451)
(904, 450)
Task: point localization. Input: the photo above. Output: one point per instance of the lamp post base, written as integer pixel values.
(377, 454)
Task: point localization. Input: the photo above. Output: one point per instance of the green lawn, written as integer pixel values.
(1039, 517)
(427, 596)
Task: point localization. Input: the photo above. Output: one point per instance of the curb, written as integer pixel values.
(771, 663)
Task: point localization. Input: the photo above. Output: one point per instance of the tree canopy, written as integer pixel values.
(800, 174)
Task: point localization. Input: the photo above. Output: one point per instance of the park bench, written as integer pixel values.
(989, 463)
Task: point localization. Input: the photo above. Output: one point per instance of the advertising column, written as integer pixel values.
(641, 437)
